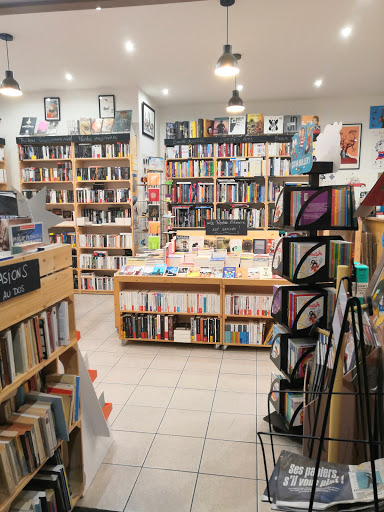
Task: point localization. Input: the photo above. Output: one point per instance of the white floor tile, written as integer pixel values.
(151, 396)
(122, 375)
(175, 452)
(139, 419)
(115, 393)
(169, 362)
(202, 364)
(238, 403)
(242, 366)
(229, 458)
(168, 378)
(133, 360)
(129, 448)
(238, 383)
(103, 358)
(232, 427)
(181, 422)
(198, 380)
(192, 399)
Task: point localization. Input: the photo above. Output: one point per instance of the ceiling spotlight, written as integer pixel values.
(9, 86)
(235, 104)
(98, 8)
(346, 32)
(318, 83)
(165, 92)
(129, 46)
(227, 64)
(240, 87)
(68, 76)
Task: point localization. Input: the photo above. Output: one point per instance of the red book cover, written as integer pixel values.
(154, 195)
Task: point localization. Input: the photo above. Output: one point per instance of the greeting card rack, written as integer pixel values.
(349, 321)
(318, 306)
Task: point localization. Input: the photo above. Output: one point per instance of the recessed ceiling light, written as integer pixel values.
(346, 32)
(165, 92)
(129, 46)
(98, 8)
(239, 87)
(318, 83)
(68, 76)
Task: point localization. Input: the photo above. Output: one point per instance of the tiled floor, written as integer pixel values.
(184, 421)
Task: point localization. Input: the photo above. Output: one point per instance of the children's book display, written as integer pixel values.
(310, 263)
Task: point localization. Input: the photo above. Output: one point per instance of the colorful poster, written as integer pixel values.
(273, 124)
(302, 149)
(350, 142)
(376, 117)
(378, 150)
(312, 119)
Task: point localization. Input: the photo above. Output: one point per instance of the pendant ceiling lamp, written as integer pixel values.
(9, 86)
(227, 64)
(235, 104)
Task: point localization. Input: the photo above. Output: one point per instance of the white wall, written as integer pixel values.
(74, 104)
(346, 110)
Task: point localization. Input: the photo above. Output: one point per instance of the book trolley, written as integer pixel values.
(55, 285)
(353, 396)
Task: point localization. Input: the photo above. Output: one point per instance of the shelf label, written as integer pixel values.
(226, 227)
(19, 278)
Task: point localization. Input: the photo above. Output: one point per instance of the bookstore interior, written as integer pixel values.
(191, 263)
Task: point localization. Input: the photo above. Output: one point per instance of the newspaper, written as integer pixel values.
(339, 487)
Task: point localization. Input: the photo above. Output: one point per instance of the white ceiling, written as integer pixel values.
(286, 45)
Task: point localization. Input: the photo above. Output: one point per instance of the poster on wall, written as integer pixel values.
(52, 109)
(302, 149)
(273, 124)
(377, 158)
(147, 121)
(350, 142)
(376, 117)
(312, 119)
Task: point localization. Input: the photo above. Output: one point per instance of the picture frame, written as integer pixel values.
(350, 146)
(52, 109)
(106, 106)
(148, 121)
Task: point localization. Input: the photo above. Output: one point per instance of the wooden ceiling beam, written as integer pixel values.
(38, 6)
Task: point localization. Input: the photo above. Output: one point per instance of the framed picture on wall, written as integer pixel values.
(350, 143)
(106, 105)
(52, 109)
(147, 121)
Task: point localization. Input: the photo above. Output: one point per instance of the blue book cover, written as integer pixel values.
(159, 269)
(171, 271)
(229, 272)
(77, 403)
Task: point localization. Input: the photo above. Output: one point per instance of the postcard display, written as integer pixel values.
(306, 261)
(303, 312)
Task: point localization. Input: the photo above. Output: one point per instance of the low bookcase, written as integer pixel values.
(56, 286)
(191, 286)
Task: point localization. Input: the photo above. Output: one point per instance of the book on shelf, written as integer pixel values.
(250, 333)
(102, 173)
(237, 125)
(99, 194)
(273, 124)
(122, 240)
(91, 282)
(297, 347)
(96, 125)
(28, 125)
(85, 126)
(103, 150)
(208, 127)
(122, 121)
(220, 126)
(254, 124)
(61, 172)
(245, 304)
(44, 152)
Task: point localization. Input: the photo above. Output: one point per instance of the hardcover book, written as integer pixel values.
(208, 127)
(292, 124)
(183, 271)
(28, 125)
(96, 125)
(122, 121)
(52, 127)
(247, 245)
(220, 126)
(153, 211)
(42, 127)
(235, 244)
(171, 271)
(229, 272)
(107, 125)
(273, 124)
(254, 124)
(154, 195)
(194, 272)
(237, 125)
(169, 130)
(84, 126)
(182, 243)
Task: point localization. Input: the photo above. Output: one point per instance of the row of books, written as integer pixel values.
(217, 248)
(341, 207)
(297, 347)
(279, 149)
(105, 216)
(102, 195)
(102, 173)
(245, 304)
(63, 238)
(240, 192)
(26, 344)
(169, 302)
(43, 152)
(187, 151)
(190, 168)
(101, 260)
(156, 327)
(62, 172)
(59, 196)
(120, 123)
(89, 281)
(192, 193)
(3, 176)
(250, 333)
(340, 253)
(253, 167)
(274, 190)
(297, 300)
(122, 240)
(193, 271)
(191, 216)
(112, 150)
(254, 216)
(29, 193)
(279, 167)
(48, 490)
(240, 149)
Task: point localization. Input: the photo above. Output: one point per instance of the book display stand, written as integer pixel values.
(91, 181)
(327, 439)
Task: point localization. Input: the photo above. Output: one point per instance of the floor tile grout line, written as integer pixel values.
(154, 437)
(206, 432)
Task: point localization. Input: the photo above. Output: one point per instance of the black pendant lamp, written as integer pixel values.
(227, 64)
(235, 104)
(9, 86)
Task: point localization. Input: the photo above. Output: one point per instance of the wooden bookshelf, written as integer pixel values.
(3, 185)
(215, 179)
(195, 284)
(131, 183)
(56, 286)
